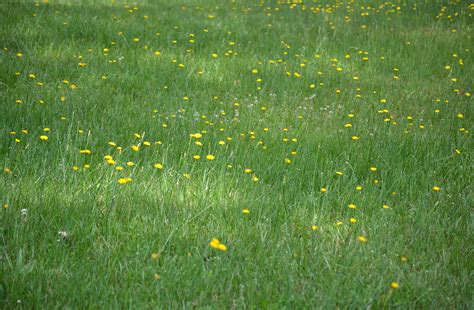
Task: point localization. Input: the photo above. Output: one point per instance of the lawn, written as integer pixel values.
(236, 154)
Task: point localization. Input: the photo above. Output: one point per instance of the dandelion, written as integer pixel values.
(323, 189)
(125, 180)
(246, 211)
(436, 188)
(314, 227)
(394, 285)
(362, 239)
(44, 138)
(210, 157)
(216, 244)
(352, 206)
(158, 166)
(155, 256)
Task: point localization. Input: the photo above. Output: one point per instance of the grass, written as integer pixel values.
(353, 120)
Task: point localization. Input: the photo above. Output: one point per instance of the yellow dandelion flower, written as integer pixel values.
(158, 166)
(44, 138)
(394, 285)
(210, 157)
(362, 239)
(246, 211)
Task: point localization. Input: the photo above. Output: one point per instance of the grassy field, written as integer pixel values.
(236, 154)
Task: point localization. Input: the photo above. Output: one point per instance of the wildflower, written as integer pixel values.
(362, 239)
(323, 190)
(436, 188)
(255, 178)
(196, 157)
(44, 138)
(86, 152)
(155, 256)
(216, 244)
(210, 157)
(353, 220)
(245, 211)
(5, 206)
(352, 206)
(314, 227)
(394, 285)
(125, 180)
(196, 135)
(158, 166)
(373, 169)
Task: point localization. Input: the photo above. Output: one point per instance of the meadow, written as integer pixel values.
(236, 154)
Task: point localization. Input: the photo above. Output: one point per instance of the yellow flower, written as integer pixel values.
(125, 180)
(216, 244)
(352, 206)
(353, 220)
(323, 190)
(155, 256)
(394, 285)
(86, 152)
(373, 169)
(158, 166)
(314, 227)
(254, 71)
(196, 157)
(255, 178)
(362, 239)
(44, 138)
(247, 170)
(245, 211)
(210, 157)
(136, 148)
(436, 188)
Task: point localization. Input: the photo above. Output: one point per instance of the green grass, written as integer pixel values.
(369, 101)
